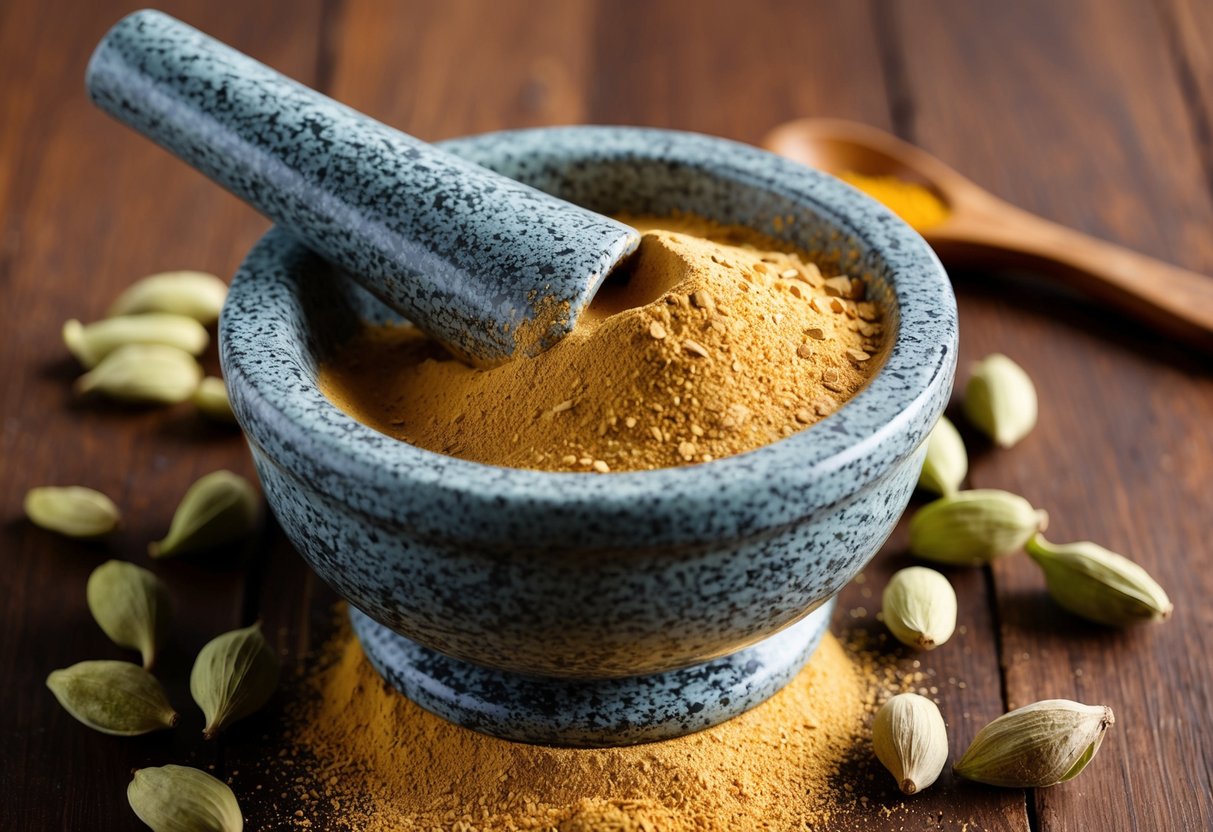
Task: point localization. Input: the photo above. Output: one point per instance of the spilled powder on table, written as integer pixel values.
(363, 757)
(717, 342)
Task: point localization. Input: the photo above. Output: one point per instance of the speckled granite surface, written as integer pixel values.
(599, 580)
(480, 261)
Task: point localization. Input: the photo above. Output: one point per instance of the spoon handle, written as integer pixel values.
(483, 263)
(1175, 301)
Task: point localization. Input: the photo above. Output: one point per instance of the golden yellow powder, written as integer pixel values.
(713, 342)
(366, 758)
(916, 204)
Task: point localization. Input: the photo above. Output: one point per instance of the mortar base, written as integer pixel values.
(603, 712)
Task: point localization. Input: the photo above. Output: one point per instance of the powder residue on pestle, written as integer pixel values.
(714, 342)
(360, 756)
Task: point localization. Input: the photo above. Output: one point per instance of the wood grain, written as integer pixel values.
(734, 69)
(1187, 24)
(438, 70)
(89, 206)
(1122, 451)
(1078, 111)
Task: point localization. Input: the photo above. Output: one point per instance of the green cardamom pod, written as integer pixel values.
(919, 607)
(1039, 745)
(946, 464)
(219, 508)
(94, 342)
(132, 606)
(234, 675)
(146, 373)
(211, 400)
(970, 528)
(183, 799)
(72, 510)
(196, 295)
(910, 740)
(1000, 400)
(116, 698)
(1099, 585)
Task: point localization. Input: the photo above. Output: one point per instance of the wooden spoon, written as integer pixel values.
(982, 229)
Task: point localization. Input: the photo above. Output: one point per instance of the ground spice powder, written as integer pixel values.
(713, 342)
(366, 758)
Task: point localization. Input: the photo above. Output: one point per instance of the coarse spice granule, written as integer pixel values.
(716, 341)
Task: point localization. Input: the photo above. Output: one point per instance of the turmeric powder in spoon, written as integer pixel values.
(914, 203)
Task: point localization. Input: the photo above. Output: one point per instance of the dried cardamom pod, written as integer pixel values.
(211, 400)
(1039, 745)
(72, 510)
(970, 528)
(1099, 585)
(947, 463)
(146, 373)
(132, 606)
(1000, 400)
(234, 675)
(196, 295)
(217, 509)
(183, 799)
(94, 342)
(117, 698)
(910, 740)
(919, 607)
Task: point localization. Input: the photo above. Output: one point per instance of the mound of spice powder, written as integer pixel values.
(715, 341)
(360, 756)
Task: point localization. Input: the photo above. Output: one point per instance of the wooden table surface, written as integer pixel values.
(1095, 113)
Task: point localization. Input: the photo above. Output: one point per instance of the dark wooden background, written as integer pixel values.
(1095, 113)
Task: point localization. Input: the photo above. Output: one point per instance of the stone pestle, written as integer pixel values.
(490, 267)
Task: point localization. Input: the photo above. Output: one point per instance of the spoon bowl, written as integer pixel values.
(838, 146)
